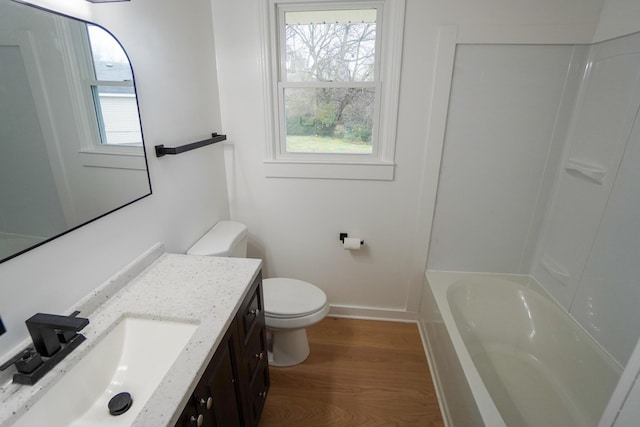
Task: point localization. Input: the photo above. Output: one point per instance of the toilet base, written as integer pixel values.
(287, 347)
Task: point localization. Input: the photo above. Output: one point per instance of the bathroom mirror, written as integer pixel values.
(70, 132)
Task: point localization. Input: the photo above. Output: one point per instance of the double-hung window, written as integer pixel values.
(334, 79)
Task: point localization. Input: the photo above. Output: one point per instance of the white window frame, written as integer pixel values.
(379, 165)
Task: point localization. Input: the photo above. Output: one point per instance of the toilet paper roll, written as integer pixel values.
(352, 243)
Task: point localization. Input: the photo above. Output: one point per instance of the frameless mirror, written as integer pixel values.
(70, 133)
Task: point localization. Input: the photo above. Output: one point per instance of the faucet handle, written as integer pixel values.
(26, 361)
(13, 360)
(66, 336)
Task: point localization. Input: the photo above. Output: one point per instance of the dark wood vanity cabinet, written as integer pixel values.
(253, 366)
(234, 386)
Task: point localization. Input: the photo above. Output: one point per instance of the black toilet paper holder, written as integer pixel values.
(345, 235)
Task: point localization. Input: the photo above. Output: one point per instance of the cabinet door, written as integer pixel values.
(258, 393)
(216, 394)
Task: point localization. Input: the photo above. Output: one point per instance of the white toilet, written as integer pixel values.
(290, 305)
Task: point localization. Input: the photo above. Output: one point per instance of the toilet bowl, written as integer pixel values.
(290, 305)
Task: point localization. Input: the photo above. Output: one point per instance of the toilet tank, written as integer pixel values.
(226, 239)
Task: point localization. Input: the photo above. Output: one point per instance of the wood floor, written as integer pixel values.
(359, 373)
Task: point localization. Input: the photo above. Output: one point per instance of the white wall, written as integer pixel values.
(170, 44)
(294, 223)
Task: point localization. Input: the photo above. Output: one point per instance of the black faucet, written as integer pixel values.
(54, 337)
(48, 331)
(2, 328)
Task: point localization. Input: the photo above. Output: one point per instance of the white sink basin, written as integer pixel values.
(133, 358)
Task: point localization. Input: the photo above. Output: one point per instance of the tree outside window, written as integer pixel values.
(329, 86)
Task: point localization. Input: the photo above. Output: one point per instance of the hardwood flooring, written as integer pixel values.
(359, 373)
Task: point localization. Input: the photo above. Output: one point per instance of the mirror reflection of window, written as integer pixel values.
(112, 91)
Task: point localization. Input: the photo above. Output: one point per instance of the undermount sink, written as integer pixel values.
(133, 357)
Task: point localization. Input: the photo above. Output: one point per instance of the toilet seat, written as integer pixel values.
(292, 303)
(285, 297)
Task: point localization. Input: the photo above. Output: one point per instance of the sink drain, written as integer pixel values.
(120, 403)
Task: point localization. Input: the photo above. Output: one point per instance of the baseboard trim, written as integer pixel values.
(367, 313)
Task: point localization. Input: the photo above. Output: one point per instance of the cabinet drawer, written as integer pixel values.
(251, 313)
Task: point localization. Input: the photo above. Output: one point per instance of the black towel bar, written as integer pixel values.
(161, 150)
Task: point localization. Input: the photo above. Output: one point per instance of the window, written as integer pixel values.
(328, 81)
(334, 81)
(110, 85)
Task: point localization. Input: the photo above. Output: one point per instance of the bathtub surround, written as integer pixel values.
(584, 189)
(513, 158)
(617, 18)
(586, 255)
(508, 115)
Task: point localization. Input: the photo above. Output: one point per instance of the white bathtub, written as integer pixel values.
(503, 354)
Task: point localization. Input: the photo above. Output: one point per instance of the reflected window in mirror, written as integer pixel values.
(106, 91)
(112, 91)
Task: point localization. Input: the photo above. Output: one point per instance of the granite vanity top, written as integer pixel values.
(198, 289)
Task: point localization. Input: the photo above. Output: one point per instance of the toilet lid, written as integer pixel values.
(291, 297)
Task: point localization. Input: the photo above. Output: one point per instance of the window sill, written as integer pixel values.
(124, 159)
(379, 171)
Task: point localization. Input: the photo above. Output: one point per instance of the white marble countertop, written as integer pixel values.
(198, 289)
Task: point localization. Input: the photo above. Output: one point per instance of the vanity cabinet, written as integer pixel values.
(234, 386)
(253, 366)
